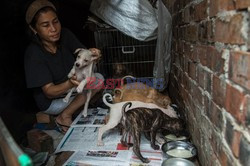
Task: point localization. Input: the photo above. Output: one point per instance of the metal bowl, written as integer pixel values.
(172, 137)
(177, 162)
(179, 149)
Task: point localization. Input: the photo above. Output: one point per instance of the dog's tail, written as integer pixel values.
(118, 91)
(129, 104)
(105, 100)
(127, 76)
(122, 83)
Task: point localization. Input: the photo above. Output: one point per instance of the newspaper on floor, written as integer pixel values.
(101, 157)
(114, 158)
(155, 156)
(85, 138)
(95, 118)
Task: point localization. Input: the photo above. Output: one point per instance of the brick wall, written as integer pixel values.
(210, 76)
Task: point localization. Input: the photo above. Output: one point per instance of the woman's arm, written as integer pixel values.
(51, 90)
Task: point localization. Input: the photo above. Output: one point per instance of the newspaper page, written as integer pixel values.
(155, 157)
(85, 138)
(102, 158)
(95, 118)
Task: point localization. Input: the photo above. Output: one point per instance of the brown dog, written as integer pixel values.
(149, 121)
(138, 91)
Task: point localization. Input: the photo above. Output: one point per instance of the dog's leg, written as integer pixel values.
(152, 142)
(66, 98)
(111, 124)
(85, 110)
(153, 131)
(147, 135)
(72, 72)
(80, 87)
(136, 147)
(124, 140)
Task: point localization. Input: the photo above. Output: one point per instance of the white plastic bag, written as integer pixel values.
(135, 18)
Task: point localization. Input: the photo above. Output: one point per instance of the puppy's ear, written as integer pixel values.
(78, 50)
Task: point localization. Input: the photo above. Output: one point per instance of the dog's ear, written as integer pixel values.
(78, 50)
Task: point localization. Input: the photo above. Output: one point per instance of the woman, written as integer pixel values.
(48, 60)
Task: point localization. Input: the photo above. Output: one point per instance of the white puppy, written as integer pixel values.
(82, 69)
(116, 114)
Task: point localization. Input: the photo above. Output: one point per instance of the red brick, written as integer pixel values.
(208, 81)
(201, 51)
(223, 157)
(197, 97)
(176, 6)
(189, 52)
(200, 12)
(217, 62)
(191, 33)
(186, 15)
(233, 138)
(220, 5)
(213, 160)
(181, 61)
(181, 32)
(180, 46)
(204, 79)
(186, 60)
(210, 30)
(186, 2)
(239, 68)
(244, 151)
(202, 32)
(229, 31)
(192, 70)
(242, 4)
(186, 83)
(219, 91)
(234, 103)
(175, 33)
(216, 116)
(215, 142)
(207, 105)
(247, 110)
(201, 76)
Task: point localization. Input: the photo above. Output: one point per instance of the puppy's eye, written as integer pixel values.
(85, 60)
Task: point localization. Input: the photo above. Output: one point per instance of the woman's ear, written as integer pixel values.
(32, 29)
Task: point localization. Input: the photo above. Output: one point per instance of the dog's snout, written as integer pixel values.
(77, 64)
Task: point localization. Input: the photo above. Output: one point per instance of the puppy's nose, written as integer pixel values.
(77, 64)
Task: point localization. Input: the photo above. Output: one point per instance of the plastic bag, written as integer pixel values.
(136, 18)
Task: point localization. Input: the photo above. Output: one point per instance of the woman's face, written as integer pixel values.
(48, 27)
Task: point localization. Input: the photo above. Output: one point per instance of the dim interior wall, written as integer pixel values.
(17, 106)
(210, 76)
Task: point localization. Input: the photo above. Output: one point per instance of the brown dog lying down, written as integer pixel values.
(148, 121)
(138, 91)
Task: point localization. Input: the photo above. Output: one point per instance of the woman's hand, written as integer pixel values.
(73, 80)
(97, 53)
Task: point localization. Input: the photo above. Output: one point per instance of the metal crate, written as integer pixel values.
(136, 57)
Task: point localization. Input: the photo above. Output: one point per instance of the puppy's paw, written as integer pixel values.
(145, 160)
(100, 143)
(65, 100)
(84, 114)
(79, 90)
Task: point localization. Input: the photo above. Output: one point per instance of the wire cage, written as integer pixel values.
(123, 55)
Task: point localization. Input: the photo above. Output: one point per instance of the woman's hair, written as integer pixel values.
(34, 37)
(38, 13)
